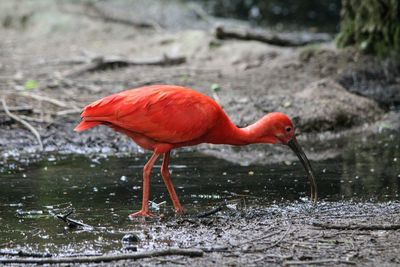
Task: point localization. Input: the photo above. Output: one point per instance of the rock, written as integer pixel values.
(130, 238)
(375, 84)
(326, 105)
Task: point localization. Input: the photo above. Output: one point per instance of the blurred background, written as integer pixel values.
(321, 16)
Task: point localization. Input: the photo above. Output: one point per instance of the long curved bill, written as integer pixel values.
(294, 145)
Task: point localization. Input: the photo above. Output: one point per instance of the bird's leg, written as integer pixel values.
(146, 187)
(168, 183)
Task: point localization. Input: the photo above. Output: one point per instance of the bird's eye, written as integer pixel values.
(288, 129)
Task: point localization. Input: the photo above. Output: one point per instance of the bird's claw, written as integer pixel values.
(179, 211)
(142, 213)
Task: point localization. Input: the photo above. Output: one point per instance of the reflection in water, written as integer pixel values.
(103, 191)
(372, 169)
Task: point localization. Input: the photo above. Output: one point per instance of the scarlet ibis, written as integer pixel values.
(163, 117)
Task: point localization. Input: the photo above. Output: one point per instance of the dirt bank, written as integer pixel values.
(54, 60)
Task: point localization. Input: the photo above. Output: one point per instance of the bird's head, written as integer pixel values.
(278, 128)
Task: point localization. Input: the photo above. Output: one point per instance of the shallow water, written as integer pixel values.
(104, 190)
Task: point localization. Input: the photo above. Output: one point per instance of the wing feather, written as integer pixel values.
(169, 114)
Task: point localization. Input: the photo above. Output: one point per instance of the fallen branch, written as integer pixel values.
(99, 13)
(73, 224)
(215, 249)
(278, 39)
(101, 64)
(96, 259)
(211, 212)
(23, 122)
(317, 262)
(21, 253)
(357, 226)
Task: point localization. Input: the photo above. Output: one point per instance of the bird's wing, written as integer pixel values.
(163, 113)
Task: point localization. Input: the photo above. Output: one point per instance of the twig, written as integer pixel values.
(211, 212)
(68, 112)
(215, 249)
(23, 122)
(275, 243)
(280, 239)
(100, 63)
(24, 109)
(21, 253)
(316, 262)
(99, 13)
(271, 38)
(95, 259)
(349, 216)
(74, 223)
(53, 101)
(27, 118)
(260, 238)
(280, 257)
(357, 226)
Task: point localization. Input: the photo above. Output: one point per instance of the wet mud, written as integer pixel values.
(250, 215)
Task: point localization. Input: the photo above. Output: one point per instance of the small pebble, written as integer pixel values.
(130, 238)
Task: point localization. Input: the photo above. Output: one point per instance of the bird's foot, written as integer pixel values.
(179, 210)
(142, 213)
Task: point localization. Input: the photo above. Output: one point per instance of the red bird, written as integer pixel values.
(163, 117)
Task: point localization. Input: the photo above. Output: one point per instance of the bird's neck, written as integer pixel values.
(233, 135)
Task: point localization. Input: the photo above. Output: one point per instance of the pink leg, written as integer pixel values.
(146, 187)
(168, 183)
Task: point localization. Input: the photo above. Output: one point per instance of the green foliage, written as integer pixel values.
(373, 26)
(215, 87)
(31, 84)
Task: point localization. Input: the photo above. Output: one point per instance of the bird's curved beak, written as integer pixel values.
(294, 145)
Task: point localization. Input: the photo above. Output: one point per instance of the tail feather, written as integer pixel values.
(98, 112)
(102, 107)
(84, 125)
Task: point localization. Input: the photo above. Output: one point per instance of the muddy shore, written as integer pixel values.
(55, 59)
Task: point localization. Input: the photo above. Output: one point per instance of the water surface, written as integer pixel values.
(104, 190)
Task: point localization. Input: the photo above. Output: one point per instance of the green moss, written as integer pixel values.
(373, 26)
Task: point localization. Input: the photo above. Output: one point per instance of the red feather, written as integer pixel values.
(84, 125)
(163, 117)
(165, 114)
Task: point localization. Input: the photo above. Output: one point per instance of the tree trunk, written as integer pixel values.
(372, 26)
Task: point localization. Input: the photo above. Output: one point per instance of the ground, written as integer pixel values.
(51, 64)
(287, 235)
